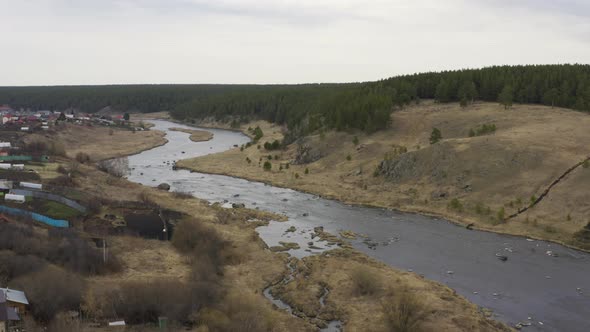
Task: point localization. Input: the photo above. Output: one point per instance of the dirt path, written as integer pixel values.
(548, 189)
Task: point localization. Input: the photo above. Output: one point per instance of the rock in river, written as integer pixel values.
(164, 186)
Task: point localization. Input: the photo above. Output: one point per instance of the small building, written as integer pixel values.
(31, 185)
(25, 128)
(15, 198)
(16, 299)
(9, 318)
(6, 118)
(5, 185)
(5, 166)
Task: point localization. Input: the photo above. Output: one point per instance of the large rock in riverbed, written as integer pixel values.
(164, 186)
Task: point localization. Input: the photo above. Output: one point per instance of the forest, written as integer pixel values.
(309, 107)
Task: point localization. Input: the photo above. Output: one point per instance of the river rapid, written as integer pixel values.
(542, 284)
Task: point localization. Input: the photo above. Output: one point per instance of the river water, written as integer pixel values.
(542, 284)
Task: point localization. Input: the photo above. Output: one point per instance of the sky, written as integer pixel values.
(74, 42)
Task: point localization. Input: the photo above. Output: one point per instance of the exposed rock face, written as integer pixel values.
(306, 155)
(164, 186)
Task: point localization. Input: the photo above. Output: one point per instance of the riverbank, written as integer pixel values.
(467, 180)
(195, 135)
(100, 143)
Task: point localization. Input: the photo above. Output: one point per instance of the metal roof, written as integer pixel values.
(15, 295)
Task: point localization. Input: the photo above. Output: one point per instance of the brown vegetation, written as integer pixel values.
(529, 148)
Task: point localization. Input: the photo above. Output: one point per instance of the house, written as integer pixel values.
(16, 299)
(5, 185)
(15, 198)
(6, 108)
(6, 118)
(8, 314)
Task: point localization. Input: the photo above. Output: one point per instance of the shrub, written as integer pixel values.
(93, 207)
(82, 157)
(533, 199)
(57, 149)
(13, 266)
(62, 181)
(115, 167)
(267, 166)
(482, 130)
(36, 147)
(455, 204)
(200, 242)
(586, 164)
(297, 175)
(248, 160)
(403, 313)
(258, 134)
(306, 170)
(364, 282)
(355, 140)
(349, 158)
(272, 146)
(501, 214)
(65, 292)
(269, 157)
(435, 136)
(182, 194)
(287, 166)
(61, 247)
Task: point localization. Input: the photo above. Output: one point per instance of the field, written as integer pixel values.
(101, 142)
(481, 178)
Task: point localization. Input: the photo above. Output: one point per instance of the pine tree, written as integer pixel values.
(551, 96)
(442, 94)
(435, 136)
(506, 96)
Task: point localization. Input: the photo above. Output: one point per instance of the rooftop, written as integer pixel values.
(14, 295)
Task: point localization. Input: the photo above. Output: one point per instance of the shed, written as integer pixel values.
(24, 128)
(8, 315)
(5, 145)
(18, 166)
(15, 198)
(5, 184)
(5, 166)
(16, 299)
(31, 185)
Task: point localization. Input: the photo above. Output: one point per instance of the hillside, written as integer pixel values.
(481, 179)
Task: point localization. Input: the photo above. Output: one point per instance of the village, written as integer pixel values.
(37, 191)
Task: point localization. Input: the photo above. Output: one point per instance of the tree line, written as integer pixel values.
(309, 107)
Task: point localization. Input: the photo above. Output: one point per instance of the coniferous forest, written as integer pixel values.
(308, 107)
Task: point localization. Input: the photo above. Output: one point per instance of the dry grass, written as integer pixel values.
(196, 135)
(437, 306)
(99, 145)
(531, 147)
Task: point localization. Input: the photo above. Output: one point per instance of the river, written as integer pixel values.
(542, 284)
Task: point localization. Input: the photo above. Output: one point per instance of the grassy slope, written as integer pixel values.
(258, 267)
(533, 145)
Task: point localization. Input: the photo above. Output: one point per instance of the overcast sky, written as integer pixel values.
(49, 42)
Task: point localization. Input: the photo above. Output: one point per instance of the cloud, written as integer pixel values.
(278, 41)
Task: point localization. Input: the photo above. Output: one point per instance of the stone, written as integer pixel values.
(164, 186)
